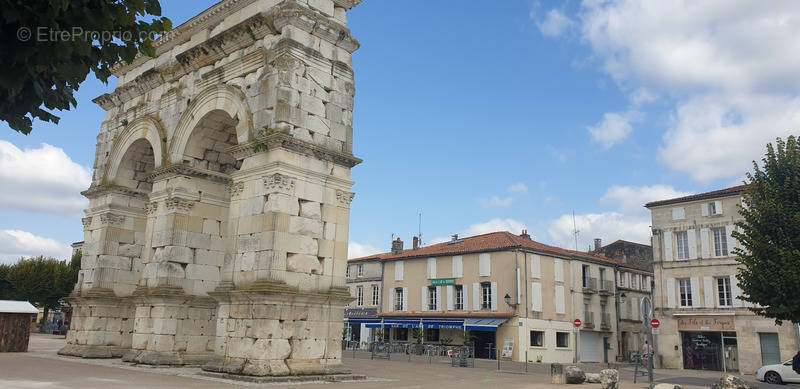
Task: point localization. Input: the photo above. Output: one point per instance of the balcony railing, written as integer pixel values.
(605, 321)
(589, 285)
(607, 287)
(588, 319)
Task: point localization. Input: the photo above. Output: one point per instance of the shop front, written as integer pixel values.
(481, 332)
(709, 342)
(356, 321)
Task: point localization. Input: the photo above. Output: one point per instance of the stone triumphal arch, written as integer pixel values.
(219, 207)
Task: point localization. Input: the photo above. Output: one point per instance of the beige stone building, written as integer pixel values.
(509, 291)
(364, 279)
(703, 323)
(218, 217)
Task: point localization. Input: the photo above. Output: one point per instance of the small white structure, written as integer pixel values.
(15, 325)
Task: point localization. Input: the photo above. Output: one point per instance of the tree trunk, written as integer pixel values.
(43, 322)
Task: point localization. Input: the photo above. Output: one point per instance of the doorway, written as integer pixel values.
(485, 344)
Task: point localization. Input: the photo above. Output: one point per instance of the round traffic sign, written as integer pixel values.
(655, 323)
(577, 322)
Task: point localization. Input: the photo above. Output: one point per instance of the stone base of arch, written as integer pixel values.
(172, 328)
(102, 325)
(275, 330)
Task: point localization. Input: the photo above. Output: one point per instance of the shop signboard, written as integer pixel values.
(443, 281)
(706, 323)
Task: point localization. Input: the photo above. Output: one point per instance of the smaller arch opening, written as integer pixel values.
(213, 135)
(136, 165)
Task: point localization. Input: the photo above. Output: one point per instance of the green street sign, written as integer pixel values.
(443, 281)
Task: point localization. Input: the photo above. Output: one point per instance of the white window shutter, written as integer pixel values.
(718, 207)
(667, 245)
(476, 296)
(558, 264)
(692, 238)
(431, 268)
(560, 306)
(536, 266)
(708, 291)
(670, 293)
(735, 292)
(439, 298)
(731, 240)
(623, 311)
(450, 291)
(494, 296)
(678, 213)
(536, 300)
(634, 308)
(485, 264)
(392, 300)
(704, 209)
(405, 299)
(705, 243)
(695, 292)
(424, 298)
(465, 295)
(458, 267)
(398, 271)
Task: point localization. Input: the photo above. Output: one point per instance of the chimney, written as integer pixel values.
(525, 235)
(597, 244)
(455, 238)
(397, 246)
(416, 243)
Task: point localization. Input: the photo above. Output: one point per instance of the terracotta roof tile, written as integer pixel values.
(494, 241)
(700, 196)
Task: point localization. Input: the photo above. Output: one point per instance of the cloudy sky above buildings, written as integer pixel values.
(501, 116)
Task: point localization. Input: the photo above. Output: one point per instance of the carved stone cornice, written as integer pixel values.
(87, 221)
(308, 20)
(179, 205)
(279, 183)
(347, 4)
(178, 169)
(235, 189)
(103, 189)
(151, 208)
(287, 142)
(231, 40)
(111, 220)
(344, 198)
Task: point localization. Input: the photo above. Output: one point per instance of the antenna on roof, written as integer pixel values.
(575, 230)
(419, 231)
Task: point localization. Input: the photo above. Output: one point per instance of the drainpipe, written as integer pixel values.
(616, 309)
(382, 292)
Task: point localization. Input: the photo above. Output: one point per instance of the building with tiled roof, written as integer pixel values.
(509, 291)
(704, 323)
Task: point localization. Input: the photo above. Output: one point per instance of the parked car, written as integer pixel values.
(778, 374)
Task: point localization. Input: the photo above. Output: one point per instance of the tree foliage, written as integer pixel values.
(770, 233)
(42, 281)
(49, 47)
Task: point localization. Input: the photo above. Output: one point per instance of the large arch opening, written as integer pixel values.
(207, 145)
(135, 166)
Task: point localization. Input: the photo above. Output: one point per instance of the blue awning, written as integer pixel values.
(362, 321)
(473, 324)
(412, 323)
(457, 324)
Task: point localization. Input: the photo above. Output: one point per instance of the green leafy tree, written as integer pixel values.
(770, 233)
(49, 47)
(42, 281)
(6, 289)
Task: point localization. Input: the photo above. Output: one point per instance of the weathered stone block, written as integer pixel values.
(310, 209)
(303, 263)
(305, 226)
(178, 254)
(279, 202)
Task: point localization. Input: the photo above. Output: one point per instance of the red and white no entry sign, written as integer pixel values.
(577, 323)
(655, 323)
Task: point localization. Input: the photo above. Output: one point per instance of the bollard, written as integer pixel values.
(526, 361)
(557, 374)
(496, 357)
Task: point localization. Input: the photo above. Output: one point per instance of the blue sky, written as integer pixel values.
(508, 116)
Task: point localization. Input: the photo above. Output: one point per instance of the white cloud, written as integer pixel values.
(494, 225)
(729, 67)
(518, 188)
(42, 180)
(15, 244)
(629, 221)
(358, 250)
(495, 201)
(614, 127)
(554, 24)
(608, 226)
